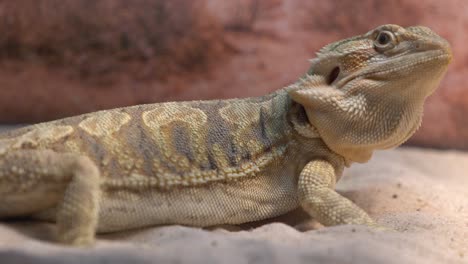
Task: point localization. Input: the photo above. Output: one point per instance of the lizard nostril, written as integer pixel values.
(333, 75)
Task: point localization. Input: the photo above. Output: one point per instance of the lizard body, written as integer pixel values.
(204, 163)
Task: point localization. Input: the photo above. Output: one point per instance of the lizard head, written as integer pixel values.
(367, 92)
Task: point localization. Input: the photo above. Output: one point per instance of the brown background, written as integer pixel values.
(64, 57)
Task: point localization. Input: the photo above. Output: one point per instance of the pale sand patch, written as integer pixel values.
(421, 193)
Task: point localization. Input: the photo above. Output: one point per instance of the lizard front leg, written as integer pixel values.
(39, 180)
(318, 197)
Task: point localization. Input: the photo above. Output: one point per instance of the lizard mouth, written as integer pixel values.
(401, 63)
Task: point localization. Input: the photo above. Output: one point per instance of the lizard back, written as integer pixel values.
(170, 144)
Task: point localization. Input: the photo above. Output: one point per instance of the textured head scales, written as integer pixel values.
(367, 92)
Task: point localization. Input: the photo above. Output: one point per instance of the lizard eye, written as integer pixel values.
(333, 75)
(385, 40)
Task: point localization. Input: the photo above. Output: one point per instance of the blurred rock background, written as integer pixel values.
(64, 57)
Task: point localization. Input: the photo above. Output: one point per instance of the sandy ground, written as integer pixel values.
(422, 194)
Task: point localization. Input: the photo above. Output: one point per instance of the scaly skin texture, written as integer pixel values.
(206, 163)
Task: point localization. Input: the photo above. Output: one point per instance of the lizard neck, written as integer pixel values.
(273, 111)
(308, 135)
(297, 116)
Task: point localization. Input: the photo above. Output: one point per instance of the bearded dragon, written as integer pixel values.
(205, 163)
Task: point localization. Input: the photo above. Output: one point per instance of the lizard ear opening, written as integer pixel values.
(333, 75)
(313, 91)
